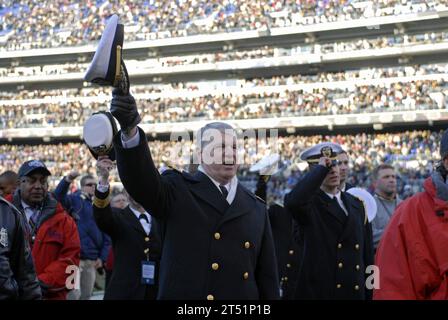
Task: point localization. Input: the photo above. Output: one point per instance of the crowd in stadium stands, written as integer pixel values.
(235, 55)
(411, 153)
(398, 96)
(28, 24)
(234, 85)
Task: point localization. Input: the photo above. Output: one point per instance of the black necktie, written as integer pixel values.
(224, 191)
(340, 212)
(143, 217)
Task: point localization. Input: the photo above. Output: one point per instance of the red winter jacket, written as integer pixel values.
(56, 247)
(413, 253)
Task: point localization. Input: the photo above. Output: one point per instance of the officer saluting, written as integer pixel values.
(337, 245)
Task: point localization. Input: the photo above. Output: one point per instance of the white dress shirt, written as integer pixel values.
(28, 211)
(146, 226)
(231, 186)
(131, 142)
(338, 198)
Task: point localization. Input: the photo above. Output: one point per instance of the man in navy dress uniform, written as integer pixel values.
(217, 240)
(337, 237)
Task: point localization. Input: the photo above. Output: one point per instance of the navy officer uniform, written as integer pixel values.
(286, 241)
(337, 240)
(136, 240)
(217, 240)
(213, 248)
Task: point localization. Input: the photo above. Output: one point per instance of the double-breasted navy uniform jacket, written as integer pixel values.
(211, 250)
(336, 248)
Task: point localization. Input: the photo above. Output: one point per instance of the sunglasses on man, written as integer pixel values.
(91, 184)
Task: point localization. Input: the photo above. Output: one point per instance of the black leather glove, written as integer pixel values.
(124, 109)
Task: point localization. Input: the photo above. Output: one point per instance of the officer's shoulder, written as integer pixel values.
(359, 204)
(277, 204)
(260, 199)
(172, 173)
(354, 199)
(252, 195)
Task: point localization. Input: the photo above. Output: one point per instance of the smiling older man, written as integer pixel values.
(217, 238)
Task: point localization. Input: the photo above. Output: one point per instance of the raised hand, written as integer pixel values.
(124, 109)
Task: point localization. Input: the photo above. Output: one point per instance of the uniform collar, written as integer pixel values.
(337, 195)
(138, 213)
(231, 186)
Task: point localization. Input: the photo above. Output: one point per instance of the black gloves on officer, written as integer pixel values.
(124, 109)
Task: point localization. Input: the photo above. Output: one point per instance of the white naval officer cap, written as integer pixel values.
(98, 133)
(107, 67)
(324, 149)
(268, 165)
(367, 200)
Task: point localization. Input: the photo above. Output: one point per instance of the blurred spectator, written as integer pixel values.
(9, 181)
(95, 245)
(119, 200)
(53, 234)
(386, 198)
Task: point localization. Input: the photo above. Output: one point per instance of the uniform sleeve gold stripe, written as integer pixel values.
(101, 203)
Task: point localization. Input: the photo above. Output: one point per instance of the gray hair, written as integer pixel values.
(218, 126)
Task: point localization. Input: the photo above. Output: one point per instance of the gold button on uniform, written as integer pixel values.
(285, 279)
(217, 236)
(146, 251)
(288, 265)
(339, 286)
(210, 297)
(215, 266)
(340, 246)
(356, 287)
(340, 265)
(147, 239)
(357, 267)
(246, 275)
(357, 246)
(291, 252)
(247, 245)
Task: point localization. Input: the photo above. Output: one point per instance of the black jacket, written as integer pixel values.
(18, 278)
(131, 245)
(211, 250)
(336, 248)
(286, 241)
(287, 248)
